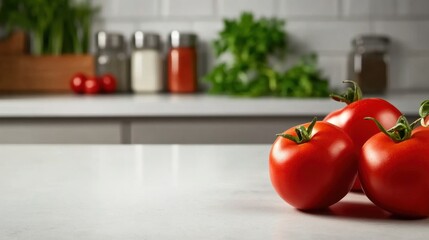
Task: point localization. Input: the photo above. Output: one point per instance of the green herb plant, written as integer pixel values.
(253, 44)
(55, 26)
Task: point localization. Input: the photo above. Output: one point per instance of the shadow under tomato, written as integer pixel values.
(359, 210)
(348, 209)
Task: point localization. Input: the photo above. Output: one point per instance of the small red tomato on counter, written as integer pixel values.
(313, 166)
(77, 83)
(92, 85)
(394, 167)
(351, 117)
(108, 83)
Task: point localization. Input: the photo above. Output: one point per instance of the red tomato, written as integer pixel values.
(421, 128)
(92, 86)
(394, 175)
(317, 173)
(351, 120)
(77, 83)
(108, 83)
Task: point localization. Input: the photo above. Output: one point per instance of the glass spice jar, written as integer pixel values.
(182, 63)
(368, 63)
(112, 58)
(146, 62)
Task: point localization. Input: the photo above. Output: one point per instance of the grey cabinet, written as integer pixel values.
(147, 130)
(196, 130)
(16, 131)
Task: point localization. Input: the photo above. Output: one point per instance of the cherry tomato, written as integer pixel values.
(77, 83)
(313, 174)
(394, 175)
(351, 119)
(108, 83)
(92, 86)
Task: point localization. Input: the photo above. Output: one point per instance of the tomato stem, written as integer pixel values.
(424, 112)
(398, 133)
(351, 95)
(403, 129)
(303, 134)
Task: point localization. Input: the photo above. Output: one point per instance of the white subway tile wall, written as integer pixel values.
(181, 8)
(416, 8)
(383, 8)
(232, 8)
(308, 8)
(322, 26)
(325, 36)
(353, 8)
(368, 8)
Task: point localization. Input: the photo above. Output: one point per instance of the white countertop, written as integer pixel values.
(164, 105)
(168, 192)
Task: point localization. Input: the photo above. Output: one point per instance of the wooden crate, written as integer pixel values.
(15, 43)
(41, 74)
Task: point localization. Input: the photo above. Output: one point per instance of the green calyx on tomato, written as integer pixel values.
(352, 94)
(303, 134)
(424, 112)
(403, 129)
(398, 133)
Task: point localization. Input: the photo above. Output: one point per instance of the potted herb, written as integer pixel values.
(253, 44)
(59, 33)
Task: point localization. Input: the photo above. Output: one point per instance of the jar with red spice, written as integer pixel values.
(182, 62)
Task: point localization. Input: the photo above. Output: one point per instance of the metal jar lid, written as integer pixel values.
(371, 43)
(146, 40)
(182, 39)
(109, 41)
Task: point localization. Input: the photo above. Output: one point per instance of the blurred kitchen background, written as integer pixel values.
(324, 26)
(146, 71)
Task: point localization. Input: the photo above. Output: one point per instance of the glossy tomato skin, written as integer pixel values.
(92, 86)
(395, 176)
(351, 120)
(108, 83)
(315, 174)
(77, 83)
(421, 128)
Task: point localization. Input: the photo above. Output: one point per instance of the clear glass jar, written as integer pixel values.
(146, 63)
(182, 63)
(112, 58)
(368, 63)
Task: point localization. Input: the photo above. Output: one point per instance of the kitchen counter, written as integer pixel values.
(164, 118)
(164, 105)
(168, 192)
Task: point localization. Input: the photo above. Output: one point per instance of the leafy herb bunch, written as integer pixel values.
(56, 26)
(252, 44)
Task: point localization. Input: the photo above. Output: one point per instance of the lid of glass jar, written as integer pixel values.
(182, 39)
(365, 43)
(146, 40)
(105, 40)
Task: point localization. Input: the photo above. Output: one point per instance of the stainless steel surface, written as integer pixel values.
(182, 39)
(371, 43)
(105, 40)
(146, 40)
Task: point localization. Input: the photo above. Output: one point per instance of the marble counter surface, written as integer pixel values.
(168, 192)
(164, 105)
